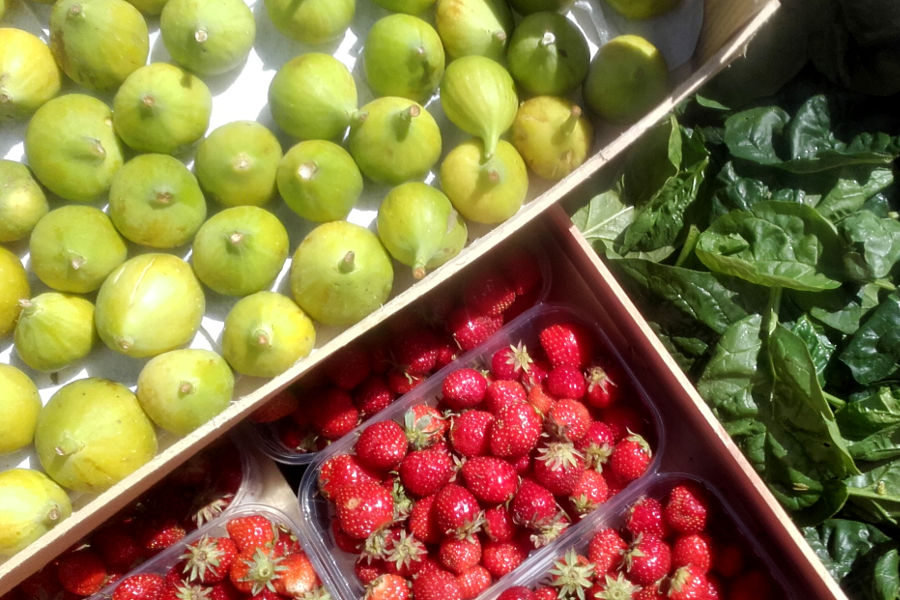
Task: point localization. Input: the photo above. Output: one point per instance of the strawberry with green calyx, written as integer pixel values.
(572, 575)
(689, 583)
(186, 591)
(566, 381)
(558, 466)
(548, 532)
(404, 554)
(605, 550)
(364, 508)
(403, 503)
(601, 390)
(208, 560)
(388, 587)
(645, 515)
(568, 419)
(401, 382)
(424, 472)
(534, 506)
(424, 425)
(630, 458)
(209, 505)
(567, 344)
(590, 491)
(381, 446)
(686, 509)
(491, 479)
(255, 569)
(614, 588)
(511, 362)
(81, 572)
(648, 559)
(463, 388)
(457, 513)
(596, 444)
(296, 576)
(250, 531)
(143, 586)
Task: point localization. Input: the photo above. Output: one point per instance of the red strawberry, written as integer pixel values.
(488, 292)
(498, 523)
(143, 586)
(689, 583)
(209, 559)
(567, 344)
(381, 446)
(297, 576)
(533, 506)
(364, 508)
(424, 472)
(158, 533)
(400, 382)
(510, 362)
(469, 432)
(596, 444)
(333, 413)
(368, 570)
(613, 586)
(502, 392)
(416, 350)
(557, 467)
(630, 458)
(605, 550)
(349, 366)
(341, 470)
(421, 521)
(81, 572)
(447, 352)
(250, 531)
(686, 508)
(646, 516)
(286, 542)
(539, 398)
(473, 581)
(456, 512)
(372, 395)
(463, 388)
(602, 388)
(536, 374)
(566, 381)
(184, 591)
(516, 592)
(499, 558)
(648, 559)
(424, 425)
(470, 328)
(266, 594)
(490, 479)
(436, 585)
(343, 541)
(590, 491)
(255, 569)
(404, 554)
(545, 592)
(388, 587)
(279, 406)
(692, 549)
(568, 419)
(572, 575)
(224, 591)
(624, 419)
(515, 430)
(459, 556)
(651, 592)
(116, 546)
(297, 439)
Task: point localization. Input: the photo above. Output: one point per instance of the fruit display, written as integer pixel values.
(495, 456)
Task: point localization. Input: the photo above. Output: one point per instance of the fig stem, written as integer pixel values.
(262, 338)
(25, 303)
(201, 35)
(235, 238)
(163, 199)
(241, 162)
(307, 171)
(76, 261)
(500, 36)
(418, 272)
(74, 11)
(548, 39)
(185, 387)
(571, 121)
(348, 262)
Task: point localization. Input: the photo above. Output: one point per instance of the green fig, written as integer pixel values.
(410, 7)
(72, 148)
(236, 164)
(98, 43)
(181, 390)
(22, 201)
(240, 250)
(74, 247)
(93, 433)
(313, 96)
(548, 54)
(14, 288)
(54, 330)
(265, 333)
(2, 8)
(207, 37)
(403, 56)
(31, 504)
(484, 190)
(20, 405)
(155, 201)
(527, 7)
(319, 181)
(142, 293)
(419, 227)
(149, 7)
(552, 135)
(161, 108)
(474, 27)
(479, 96)
(394, 139)
(29, 75)
(311, 21)
(340, 273)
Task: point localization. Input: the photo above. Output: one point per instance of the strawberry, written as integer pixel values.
(340, 470)
(540, 399)
(158, 533)
(116, 546)
(557, 466)
(686, 508)
(255, 569)
(224, 591)
(692, 549)
(566, 381)
(624, 419)
(470, 328)
(567, 344)
(596, 444)
(590, 491)
(348, 367)
(488, 292)
(286, 542)
(143, 586)
(469, 432)
(630, 458)
(381, 446)
(536, 374)
(250, 531)
(510, 362)
(645, 515)
(499, 558)
(473, 581)
(614, 587)
(436, 585)
(651, 592)
(515, 430)
(648, 559)
(424, 472)
(81, 572)
(416, 350)
(296, 439)
(490, 479)
(421, 521)
(545, 592)
(343, 541)
(372, 395)
(568, 419)
(297, 576)
(363, 508)
(279, 406)
(498, 523)
(601, 387)
(458, 556)
(388, 587)
(400, 382)
(333, 413)
(516, 592)
(266, 594)
(209, 559)
(424, 425)
(572, 575)
(689, 583)
(368, 570)
(502, 392)
(404, 554)
(533, 506)
(456, 512)
(184, 591)
(605, 550)
(463, 388)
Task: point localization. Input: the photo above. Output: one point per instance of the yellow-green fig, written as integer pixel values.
(479, 96)
(141, 294)
(14, 288)
(31, 504)
(20, 405)
(72, 148)
(98, 43)
(478, 27)
(208, 37)
(29, 75)
(548, 54)
(410, 7)
(149, 7)
(552, 135)
(265, 333)
(93, 433)
(74, 247)
(54, 330)
(319, 180)
(182, 389)
(22, 201)
(311, 21)
(403, 56)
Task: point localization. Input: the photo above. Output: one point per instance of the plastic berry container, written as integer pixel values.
(336, 565)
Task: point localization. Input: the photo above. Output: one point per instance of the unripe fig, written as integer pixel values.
(479, 96)
(14, 288)
(31, 504)
(319, 181)
(92, 433)
(394, 139)
(29, 75)
(207, 37)
(527, 7)
(155, 201)
(240, 250)
(20, 405)
(628, 76)
(183, 389)
(149, 7)
(143, 293)
(313, 96)
(410, 7)
(418, 226)
(340, 273)
(54, 330)
(22, 201)
(552, 135)
(642, 9)
(161, 108)
(236, 164)
(403, 56)
(74, 247)
(311, 21)
(265, 333)
(474, 27)
(98, 43)
(548, 54)
(484, 190)
(72, 148)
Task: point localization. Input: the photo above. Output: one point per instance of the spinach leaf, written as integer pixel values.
(875, 493)
(817, 343)
(873, 245)
(751, 134)
(854, 186)
(870, 412)
(603, 219)
(873, 352)
(732, 373)
(882, 445)
(840, 308)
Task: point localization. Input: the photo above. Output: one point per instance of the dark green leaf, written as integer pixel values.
(875, 493)
(732, 373)
(873, 245)
(809, 130)
(750, 134)
(873, 353)
(603, 219)
(840, 308)
(817, 343)
(886, 580)
(848, 549)
(869, 413)
(881, 445)
(854, 186)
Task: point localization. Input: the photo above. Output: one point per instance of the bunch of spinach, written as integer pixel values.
(762, 245)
